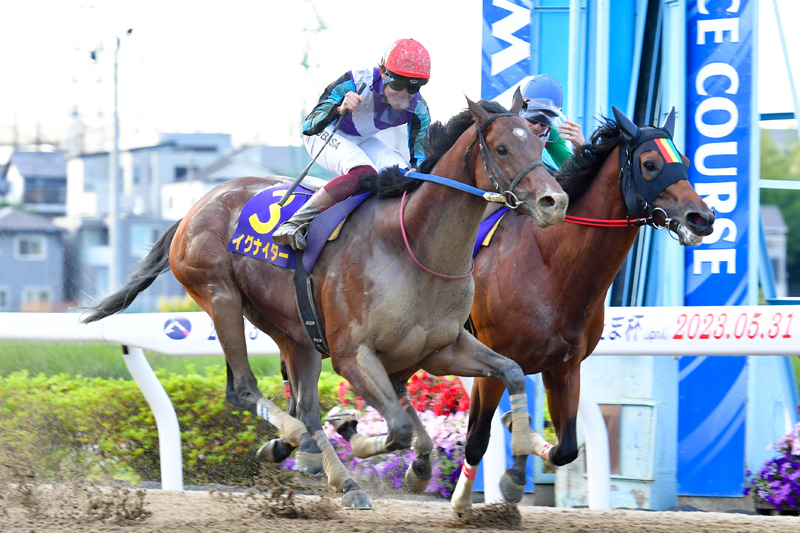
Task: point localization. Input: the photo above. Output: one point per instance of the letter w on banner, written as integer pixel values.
(506, 49)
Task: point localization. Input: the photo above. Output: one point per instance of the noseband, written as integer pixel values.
(496, 174)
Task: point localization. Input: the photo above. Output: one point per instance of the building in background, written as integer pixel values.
(36, 181)
(32, 265)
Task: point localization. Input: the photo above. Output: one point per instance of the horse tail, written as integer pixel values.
(389, 182)
(153, 265)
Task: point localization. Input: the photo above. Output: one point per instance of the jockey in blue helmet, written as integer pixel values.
(544, 99)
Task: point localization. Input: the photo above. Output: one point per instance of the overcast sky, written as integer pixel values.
(236, 66)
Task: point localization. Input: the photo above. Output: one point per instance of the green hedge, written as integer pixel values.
(71, 427)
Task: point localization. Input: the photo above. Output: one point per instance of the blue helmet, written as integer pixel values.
(544, 98)
(543, 92)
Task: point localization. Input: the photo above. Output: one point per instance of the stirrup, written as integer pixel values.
(290, 234)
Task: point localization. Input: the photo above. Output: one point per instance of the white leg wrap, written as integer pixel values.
(521, 438)
(364, 447)
(291, 428)
(334, 469)
(541, 447)
(462, 495)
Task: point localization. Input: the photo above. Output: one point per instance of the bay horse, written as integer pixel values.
(384, 307)
(540, 293)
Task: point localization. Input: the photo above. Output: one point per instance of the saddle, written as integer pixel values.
(253, 238)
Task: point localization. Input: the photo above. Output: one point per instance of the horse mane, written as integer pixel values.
(577, 174)
(392, 182)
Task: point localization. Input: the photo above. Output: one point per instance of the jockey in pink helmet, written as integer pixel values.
(391, 98)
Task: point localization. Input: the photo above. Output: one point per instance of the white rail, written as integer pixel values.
(711, 331)
(179, 334)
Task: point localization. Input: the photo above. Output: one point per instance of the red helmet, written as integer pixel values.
(407, 58)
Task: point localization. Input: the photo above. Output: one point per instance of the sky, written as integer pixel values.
(251, 68)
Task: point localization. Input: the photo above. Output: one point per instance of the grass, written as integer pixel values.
(106, 360)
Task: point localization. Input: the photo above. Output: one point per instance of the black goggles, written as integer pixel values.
(399, 83)
(538, 116)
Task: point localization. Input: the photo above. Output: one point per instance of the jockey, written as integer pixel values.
(391, 99)
(544, 99)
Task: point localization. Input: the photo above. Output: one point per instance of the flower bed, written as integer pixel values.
(442, 404)
(777, 483)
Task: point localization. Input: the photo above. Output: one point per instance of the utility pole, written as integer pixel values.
(115, 267)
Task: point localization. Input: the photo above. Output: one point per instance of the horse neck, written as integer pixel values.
(596, 250)
(442, 222)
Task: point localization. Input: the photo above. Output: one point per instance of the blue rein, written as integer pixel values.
(488, 196)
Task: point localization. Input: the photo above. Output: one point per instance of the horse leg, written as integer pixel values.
(278, 449)
(486, 394)
(366, 374)
(225, 308)
(316, 453)
(563, 395)
(468, 357)
(419, 473)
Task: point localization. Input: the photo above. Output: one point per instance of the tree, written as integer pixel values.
(783, 163)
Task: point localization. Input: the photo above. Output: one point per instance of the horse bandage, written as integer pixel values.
(521, 438)
(469, 471)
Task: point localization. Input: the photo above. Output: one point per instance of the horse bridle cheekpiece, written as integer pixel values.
(638, 193)
(496, 174)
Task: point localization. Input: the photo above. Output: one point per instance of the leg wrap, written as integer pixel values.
(337, 474)
(291, 428)
(541, 447)
(521, 438)
(364, 447)
(462, 495)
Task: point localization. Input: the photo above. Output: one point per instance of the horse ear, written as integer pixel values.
(516, 102)
(629, 129)
(478, 112)
(669, 122)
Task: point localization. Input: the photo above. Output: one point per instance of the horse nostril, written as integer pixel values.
(547, 201)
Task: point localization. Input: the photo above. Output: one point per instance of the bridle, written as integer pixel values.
(496, 174)
(629, 180)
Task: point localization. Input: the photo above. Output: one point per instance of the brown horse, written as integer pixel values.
(540, 293)
(539, 296)
(380, 311)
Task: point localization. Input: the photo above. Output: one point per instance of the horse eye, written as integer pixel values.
(649, 165)
(501, 150)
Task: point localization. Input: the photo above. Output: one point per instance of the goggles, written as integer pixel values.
(538, 116)
(399, 83)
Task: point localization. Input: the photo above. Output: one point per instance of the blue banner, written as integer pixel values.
(506, 49)
(713, 390)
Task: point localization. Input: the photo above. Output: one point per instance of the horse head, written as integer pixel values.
(654, 180)
(508, 148)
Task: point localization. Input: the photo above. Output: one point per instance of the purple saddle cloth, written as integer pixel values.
(261, 216)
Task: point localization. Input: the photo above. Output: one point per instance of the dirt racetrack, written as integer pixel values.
(85, 508)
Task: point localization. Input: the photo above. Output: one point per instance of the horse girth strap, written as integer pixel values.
(496, 174)
(306, 309)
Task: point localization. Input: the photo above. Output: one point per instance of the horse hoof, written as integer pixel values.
(416, 482)
(506, 418)
(512, 491)
(340, 419)
(274, 451)
(356, 500)
(309, 463)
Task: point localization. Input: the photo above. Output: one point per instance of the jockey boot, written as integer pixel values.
(293, 231)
